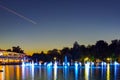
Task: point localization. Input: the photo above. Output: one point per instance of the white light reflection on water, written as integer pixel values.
(23, 72)
(87, 71)
(32, 71)
(55, 71)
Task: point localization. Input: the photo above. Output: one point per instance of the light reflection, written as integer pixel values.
(23, 72)
(2, 73)
(55, 71)
(76, 73)
(7, 72)
(87, 71)
(49, 69)
(115, 71)
(40, 72)
(32, 71)
(65, 69)
(108, 71)
(18, 72)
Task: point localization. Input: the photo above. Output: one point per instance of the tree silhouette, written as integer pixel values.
(101, 48)
(17, 49)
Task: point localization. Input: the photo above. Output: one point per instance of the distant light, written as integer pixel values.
(68, 64)
(45, 64)
(109, 59)
(40, 64)
(23, 63)
(1, 54)
(80, 63)
(92, 63)
(87, 65)
(55, 64)
(76, 64)
(35, 64)
(49, 64)
(55, 58)
(28, 64)
(116, 63)
(86, 59)
(103, 63)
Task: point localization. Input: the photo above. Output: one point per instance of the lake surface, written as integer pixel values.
(18, 72)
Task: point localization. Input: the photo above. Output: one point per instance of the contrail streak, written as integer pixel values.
(17, 14)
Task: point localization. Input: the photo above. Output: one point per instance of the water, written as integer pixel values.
(18, 72)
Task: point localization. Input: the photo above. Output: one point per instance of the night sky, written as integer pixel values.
(37, 25)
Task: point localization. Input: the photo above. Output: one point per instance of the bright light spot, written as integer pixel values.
(109, 59)
(63, 63)
(49, 64)
(35, 64)
(92, 63)
(76, 64)
(68, 64)
(87, 65)
(103, 63)
(55, 64)
(28, 64)
(55, 58)
(86, 59)
(1, 54)
(40, 64)
(80, 63)
(23, 63)
(45, 64)
(116, 63)
(32, 64)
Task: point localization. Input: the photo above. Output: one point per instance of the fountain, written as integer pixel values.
(66, 63)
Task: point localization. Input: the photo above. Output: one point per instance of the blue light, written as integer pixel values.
(68, 64)
(103, 63)
(49, 64)
(63, 63)
(116, 63)
(76, 72)
(65, 69)
(80, 63)
(45, 64)
(76, 64)
(49, 72)
(35, 64)
(92, 63)
(27, 64)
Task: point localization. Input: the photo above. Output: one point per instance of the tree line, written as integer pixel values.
(101, 50)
